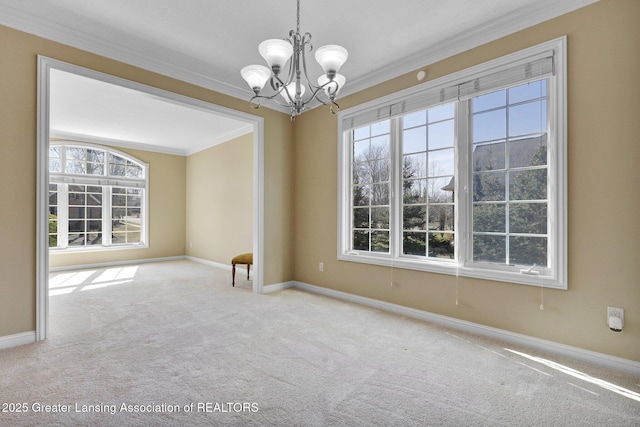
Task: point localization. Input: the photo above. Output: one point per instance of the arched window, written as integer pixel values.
(97, 197)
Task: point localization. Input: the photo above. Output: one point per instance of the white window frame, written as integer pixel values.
(555, 276)
(106, 181)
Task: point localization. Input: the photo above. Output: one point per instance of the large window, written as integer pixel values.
(462, 175)
(97, 198)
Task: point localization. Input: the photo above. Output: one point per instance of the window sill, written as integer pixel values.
(450, 267)
(75, 250)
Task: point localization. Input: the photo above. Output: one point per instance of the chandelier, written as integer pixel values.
(277, 53)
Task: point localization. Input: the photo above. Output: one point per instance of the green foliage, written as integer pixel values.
(53, 230)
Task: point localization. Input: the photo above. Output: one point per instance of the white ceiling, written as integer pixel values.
(207, 42)
(82, 108)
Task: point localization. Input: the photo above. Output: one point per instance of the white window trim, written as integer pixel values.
(557, 169)
(103, 180)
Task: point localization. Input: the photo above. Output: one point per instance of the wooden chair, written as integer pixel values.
(240, 259)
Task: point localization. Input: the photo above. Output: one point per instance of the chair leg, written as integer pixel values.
(233, 275)
(248, 265)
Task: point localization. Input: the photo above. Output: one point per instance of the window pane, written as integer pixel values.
(442, 112)
(75, 213)
(76, 167)
(528, 118)
(414, 119)
(76, 239)
(414, 243)
(95, 169)
(489, 218)
(528, 250)
(380, 194)
(361, 217)
(441, 245)
(530, 218)
(530, 184)
(441, 135)
(117, 170)
(133, 237)
(379, 170)
(54, 152)
(414, 140)
(436, 191)
(360, 240)
(118, 238)
(77, 226)
(414, 217)
(94, 199)
(135, 171)
(380, 128)
(441, 162)
(380, 218)
(119, 200)
(489, 248)
(75, 153)
(361, 195)
(94, 213)
(528, 152)
(360, 150)
(380, 147)
(489, 157)
(95, 156)
(54, 165)
(94, 239)
(489, 101)
(414, 191)
(441, 217)
(133, 200)
(133, 212)
(361, 173)
(489, 126)
(362, 133)
(94, 225)
(380, 241)
(414, 166)
(489, 187)
(528, 91)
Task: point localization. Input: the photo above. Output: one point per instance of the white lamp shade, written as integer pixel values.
(291, 89)
(276, 52)
(331, 89)
(331, 57)
(256, 76)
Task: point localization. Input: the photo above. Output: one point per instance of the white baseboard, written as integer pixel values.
(116, 263)
(278, 287)
(15, 340)
(209, 263)
(600, 359)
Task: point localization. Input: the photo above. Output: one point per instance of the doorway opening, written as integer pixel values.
(47, 66)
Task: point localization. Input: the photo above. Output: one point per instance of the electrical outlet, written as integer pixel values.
(615, 312)
(321, 267)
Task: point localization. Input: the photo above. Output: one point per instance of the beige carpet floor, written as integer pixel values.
(173, 344)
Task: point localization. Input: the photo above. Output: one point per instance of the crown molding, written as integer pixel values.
(220, 139)
(509, 24)
(474, 37)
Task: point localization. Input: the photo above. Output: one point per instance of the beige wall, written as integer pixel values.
(220, 201)
(604, 196)
(167, 195)
(18, 103)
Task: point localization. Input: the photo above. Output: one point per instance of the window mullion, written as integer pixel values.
(396, 189)
(63, 215)
(106, 215)
(463, 202)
